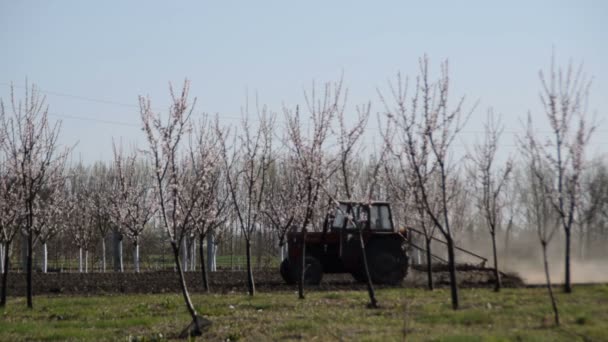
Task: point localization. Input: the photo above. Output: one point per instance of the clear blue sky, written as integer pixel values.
(116, 50)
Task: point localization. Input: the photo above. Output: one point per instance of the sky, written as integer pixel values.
(93, 58)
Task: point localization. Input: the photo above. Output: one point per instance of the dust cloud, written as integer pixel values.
(522, 254)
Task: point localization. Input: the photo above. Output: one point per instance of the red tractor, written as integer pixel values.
(337, 247)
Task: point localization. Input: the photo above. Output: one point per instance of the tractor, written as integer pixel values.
(336, 248)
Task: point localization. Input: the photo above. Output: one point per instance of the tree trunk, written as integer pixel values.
(2, 258)
(452, 269)
(80, 260)
(5, 274)
(429, 264)
(506, 258)
(250, 282)
(259, 249)
(567, 283)
(231, 248)
(45, 257)
(86, 260)
(498, 283)
(23, 252)
(203, 266)
(30, 261)
(581, 242)
(549, 287)
(182, 282)
(121, 263)
(370, 287)
(302, 267)
(103, 254)
(136, 254)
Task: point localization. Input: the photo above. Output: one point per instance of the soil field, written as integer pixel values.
(225, 281)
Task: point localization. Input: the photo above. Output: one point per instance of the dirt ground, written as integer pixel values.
(226, 281)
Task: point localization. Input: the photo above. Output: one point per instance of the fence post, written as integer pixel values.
(185, 254)
(117, 250)
(211, 265)
(193, 255)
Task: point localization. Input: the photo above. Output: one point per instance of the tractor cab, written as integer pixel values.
(351, 216)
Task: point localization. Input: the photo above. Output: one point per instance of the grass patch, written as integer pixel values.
(417, 314)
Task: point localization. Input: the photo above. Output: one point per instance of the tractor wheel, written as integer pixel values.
(286, 272)
(388, 262)
(313, 272)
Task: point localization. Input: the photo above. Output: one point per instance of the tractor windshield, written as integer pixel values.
(380, 218)
(340, 218)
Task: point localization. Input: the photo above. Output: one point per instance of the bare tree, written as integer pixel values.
(490, 183)
(370, 195)
(179, 182)
(310, 157)
(32, 154)
(564, 97)
(538, 207)
(431, 119)
(348, 138)
(405, 182)
(511, 209)
(282, 194)
(247, 183)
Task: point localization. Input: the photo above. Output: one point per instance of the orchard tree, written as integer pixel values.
(490, 184)
(564, 95)
(211, 210)
(78, 217)
(246, 168)
(593, 209)
(134, 203)
(2, 137)
(349, 147)
(348, 139)
(179, 181)
(538, 206)
(431, 119)
(406, 184)
(32, 155)
(313, 167)
(99, 203)
(280, 208)
(50, 217)
(11, 216)
(209, 220)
